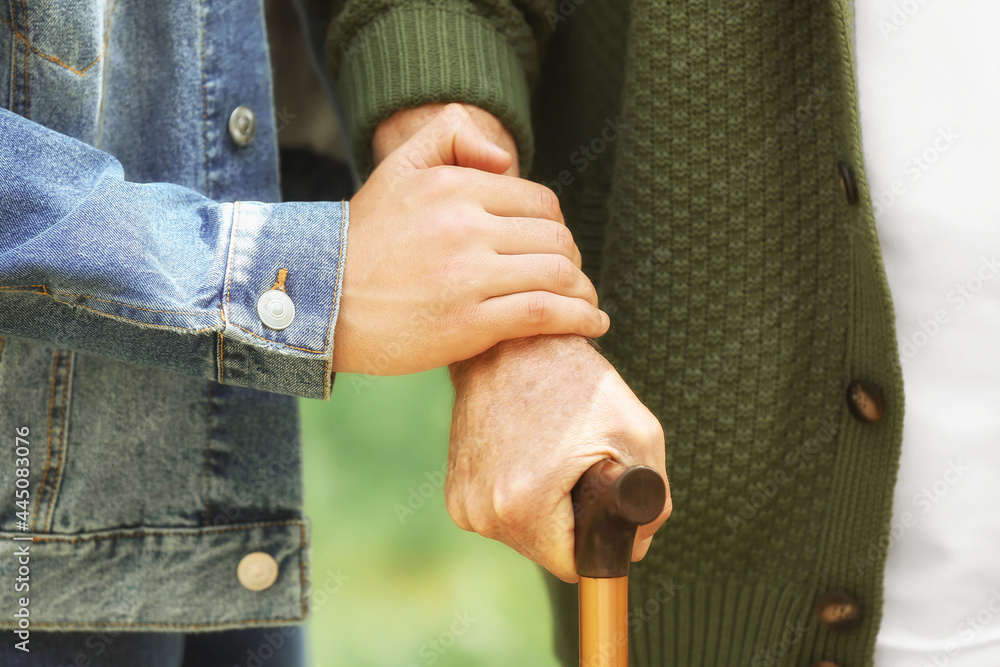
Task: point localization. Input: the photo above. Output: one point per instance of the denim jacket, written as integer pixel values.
(138, 230)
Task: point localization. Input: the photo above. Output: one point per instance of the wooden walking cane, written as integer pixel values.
(610, 502)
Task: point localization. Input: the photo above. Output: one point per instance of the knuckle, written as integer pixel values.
(564, 240)
(549, 203)
(455, 113)
(441, 179)
(480, 521)
(563, 272)
(539, 308)
(454, 498)
(648, 430)
(455, 228)
(508, 503)
(455, 510)
(592, 296)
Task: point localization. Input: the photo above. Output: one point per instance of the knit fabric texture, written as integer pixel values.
(387, 55)
(695, 147)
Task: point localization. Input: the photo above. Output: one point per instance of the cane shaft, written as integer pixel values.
(604, 622)
(610, 502)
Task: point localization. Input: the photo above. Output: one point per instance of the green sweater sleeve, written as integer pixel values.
(387, 55)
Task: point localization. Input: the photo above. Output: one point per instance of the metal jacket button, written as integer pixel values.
(275, 309)
(242, 125)
(865, 401)
(847, 183)
(257, 571)
(838, 611)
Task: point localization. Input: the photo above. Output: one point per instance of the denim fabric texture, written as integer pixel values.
(135, 238)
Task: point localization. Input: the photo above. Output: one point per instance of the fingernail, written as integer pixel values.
(605, 320)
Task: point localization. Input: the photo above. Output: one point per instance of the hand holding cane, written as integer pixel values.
(610, 502)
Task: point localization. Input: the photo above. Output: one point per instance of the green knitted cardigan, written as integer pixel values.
(696, 147)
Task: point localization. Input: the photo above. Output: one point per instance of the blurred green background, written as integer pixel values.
(395, 582)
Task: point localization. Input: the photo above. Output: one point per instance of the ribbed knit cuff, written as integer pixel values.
(417, 55)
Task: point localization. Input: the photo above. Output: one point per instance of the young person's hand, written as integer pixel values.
(445, 261)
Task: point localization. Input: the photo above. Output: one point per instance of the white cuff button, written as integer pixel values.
(275, 309)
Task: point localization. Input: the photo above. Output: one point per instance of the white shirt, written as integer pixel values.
(929, 94)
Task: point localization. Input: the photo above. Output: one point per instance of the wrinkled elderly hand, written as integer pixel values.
(531, 416)
(444, 261)
(394, 131)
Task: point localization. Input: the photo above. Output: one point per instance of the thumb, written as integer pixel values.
(452, 138)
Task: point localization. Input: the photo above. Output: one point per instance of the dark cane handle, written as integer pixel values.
(610, 502)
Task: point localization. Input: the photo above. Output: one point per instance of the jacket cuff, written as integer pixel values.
(266, 238)
(414, 55)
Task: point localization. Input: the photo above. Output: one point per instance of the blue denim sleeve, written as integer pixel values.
(159, 275)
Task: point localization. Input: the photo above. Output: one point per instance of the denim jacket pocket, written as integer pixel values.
(56, 39)
(42, 411)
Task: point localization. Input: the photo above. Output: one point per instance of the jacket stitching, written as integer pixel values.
(204, 97)
(56, 60)
(24, 14)
(232, 260)
(292, 347)
(104, 81)
(60, 443)
(229, 274)
(328, 365)
(302, 570)
(17, 288)
(17, 71)
(45, 290)
(327, 379)
(48, 457)
(222, 365)
(146, 324)
(208, 444)
(121, 303)
(340, 270)
(13, 63)
(119, 317)
(160, 533)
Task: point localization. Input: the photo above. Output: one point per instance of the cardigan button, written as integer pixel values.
(838, 611)
(847, 183)
(257, 571)
(865, 401)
